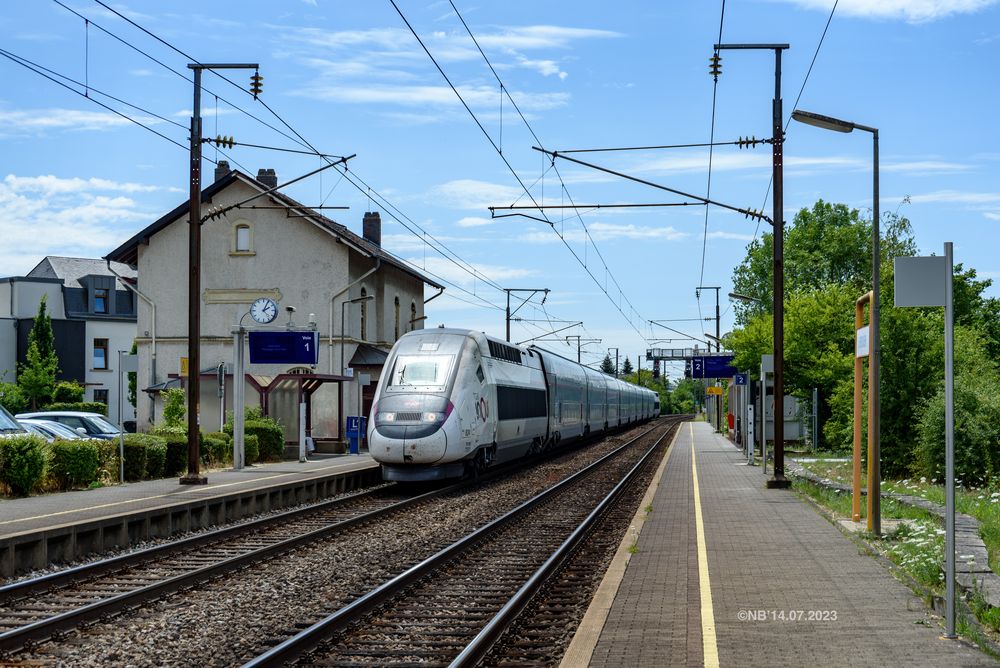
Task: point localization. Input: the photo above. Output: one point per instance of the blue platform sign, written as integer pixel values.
(284, 348)
(740, 379)
(714, 366)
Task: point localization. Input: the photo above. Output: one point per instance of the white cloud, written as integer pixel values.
(446, 269)
(913, 11)
(40, 120)
(480, 97)
(47, 216)
(720, 234)
(924, 166)
(607, 232)
(472, 194)
(992, 215)
(472, 221)
(51, 185)
(956, 197)
(698, 161)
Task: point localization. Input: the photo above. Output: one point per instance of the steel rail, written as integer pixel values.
(317, 633)
(18, 638)
(478, 648)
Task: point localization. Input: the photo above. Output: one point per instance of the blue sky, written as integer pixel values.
(75, 179)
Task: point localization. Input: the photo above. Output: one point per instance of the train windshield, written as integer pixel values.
(421, 372)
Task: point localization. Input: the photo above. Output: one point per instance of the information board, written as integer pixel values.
(284, 348)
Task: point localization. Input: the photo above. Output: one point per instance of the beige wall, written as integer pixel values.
(291, 257)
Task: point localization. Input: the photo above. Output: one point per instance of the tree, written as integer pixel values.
(626, 367)
(37, 376)
(607, 366)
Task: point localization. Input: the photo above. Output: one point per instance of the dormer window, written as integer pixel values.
(101, 297)
(242, 239)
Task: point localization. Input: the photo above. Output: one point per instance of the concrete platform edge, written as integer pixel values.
(584, 641)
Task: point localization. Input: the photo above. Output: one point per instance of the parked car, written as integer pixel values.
(8, 425)
(88, 425)
(50, 429)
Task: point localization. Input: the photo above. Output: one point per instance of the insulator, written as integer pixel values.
(256, 84)
(715, 66)
(224, 141)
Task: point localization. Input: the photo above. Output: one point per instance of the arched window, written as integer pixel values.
(364, 313)
(396, 310)
(242, 238)
(413, 316)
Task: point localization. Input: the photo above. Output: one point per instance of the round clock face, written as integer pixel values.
(264, 310)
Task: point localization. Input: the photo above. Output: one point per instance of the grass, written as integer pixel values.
(981, 503)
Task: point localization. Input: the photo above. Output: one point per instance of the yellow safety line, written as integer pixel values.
(710, 648)
(177, 493)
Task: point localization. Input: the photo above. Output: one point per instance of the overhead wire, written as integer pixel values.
(505, 91)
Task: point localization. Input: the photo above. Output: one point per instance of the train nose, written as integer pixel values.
(411, 437)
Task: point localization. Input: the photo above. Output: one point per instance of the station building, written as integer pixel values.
(271, 246)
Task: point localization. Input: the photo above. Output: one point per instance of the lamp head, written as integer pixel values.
(821, 121)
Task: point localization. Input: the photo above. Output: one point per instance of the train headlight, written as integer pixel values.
(386, 417)
(432, 417)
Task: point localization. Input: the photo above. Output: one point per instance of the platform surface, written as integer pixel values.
(787, 588)
(44, 511)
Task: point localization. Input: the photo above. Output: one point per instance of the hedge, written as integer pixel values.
(107, 460)
(22, 462)
(135, 460)
(216, 449)
(67, 391)
(73, 463)
(84, 406)
(270, 437)
(156, 459)
(251, 449)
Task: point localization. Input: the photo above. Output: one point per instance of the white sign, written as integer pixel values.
(862, 347)
(365, 379)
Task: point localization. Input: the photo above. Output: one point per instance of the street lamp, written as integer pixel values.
(744, 298)
(343, 324)
(837, 125)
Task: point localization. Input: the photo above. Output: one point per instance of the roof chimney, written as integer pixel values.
(221, 169)
(372, 227)
(267, 177)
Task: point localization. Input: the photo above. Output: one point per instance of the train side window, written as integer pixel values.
(479, 374)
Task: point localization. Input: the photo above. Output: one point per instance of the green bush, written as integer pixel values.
(22, 462)
(216, 451)
(173, 407)
(251, 449)
(219, 435)
(107, 460)
(270, 437)
(152, 457)
(176, 440)
(12, 398)
(68, 391)
(73, 463)
(85, 406)
(135, 459)
(156, 459)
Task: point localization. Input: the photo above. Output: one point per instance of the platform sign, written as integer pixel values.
(713, 389)
(862, 347)
(712, 366)
(741, 379)
(284, 348)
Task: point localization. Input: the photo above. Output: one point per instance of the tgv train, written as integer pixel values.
(452, 402)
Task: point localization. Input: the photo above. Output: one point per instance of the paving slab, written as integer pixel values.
(787, 587)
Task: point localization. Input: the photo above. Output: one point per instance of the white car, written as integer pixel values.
(87, 425)
(50, 429)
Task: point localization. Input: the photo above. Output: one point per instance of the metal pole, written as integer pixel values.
(778, 480)
(508, 315)
(949, 444)
(343, 330)
(121, 434)
(193, 476)
(238, 399)
(876, 352)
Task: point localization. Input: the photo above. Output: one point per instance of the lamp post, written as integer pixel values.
(717, 316)
(837, 125)
(616, 360)
(778, 480)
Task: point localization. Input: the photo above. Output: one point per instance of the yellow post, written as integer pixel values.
(858, 398)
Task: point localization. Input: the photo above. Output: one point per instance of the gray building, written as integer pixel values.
(93, 320)
(271, 246)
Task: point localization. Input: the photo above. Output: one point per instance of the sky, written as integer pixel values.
(348, 78)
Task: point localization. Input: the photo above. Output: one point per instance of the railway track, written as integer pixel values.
(33, 610)
(453, 607)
